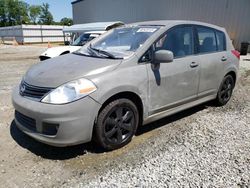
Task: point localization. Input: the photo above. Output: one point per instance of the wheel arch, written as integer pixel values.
(65, 52)
(233, 74)
(134, 97)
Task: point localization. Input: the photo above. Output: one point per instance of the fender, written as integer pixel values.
(101, 99)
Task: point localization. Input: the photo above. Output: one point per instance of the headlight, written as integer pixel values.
(70, 92)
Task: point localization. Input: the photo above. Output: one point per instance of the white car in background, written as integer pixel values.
(79, 34)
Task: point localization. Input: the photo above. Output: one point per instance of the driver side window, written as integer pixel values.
(178, 40)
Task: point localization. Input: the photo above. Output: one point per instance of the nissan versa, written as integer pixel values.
(128, 77)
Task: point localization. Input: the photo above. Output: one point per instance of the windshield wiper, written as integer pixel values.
(99, 51)
(80, 53)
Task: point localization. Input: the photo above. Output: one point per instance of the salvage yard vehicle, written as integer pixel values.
(128, 77)
(80, 35)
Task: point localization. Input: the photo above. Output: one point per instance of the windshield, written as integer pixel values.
(121, 42)
(84, 38)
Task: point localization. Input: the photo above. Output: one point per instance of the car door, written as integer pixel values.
(175, 83)
(212, 54)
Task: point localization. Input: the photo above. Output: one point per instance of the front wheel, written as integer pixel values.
(225, 91)
(116, 124)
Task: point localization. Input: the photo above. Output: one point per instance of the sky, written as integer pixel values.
(58, 8)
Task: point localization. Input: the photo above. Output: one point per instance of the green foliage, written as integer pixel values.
(3, 14)
(34, 13)
(13, 12)
(22, 14)
(66, 21)
(17, 12)
(45, 16)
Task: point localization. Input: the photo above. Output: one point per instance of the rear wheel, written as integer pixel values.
(116, 124)
(225, 91)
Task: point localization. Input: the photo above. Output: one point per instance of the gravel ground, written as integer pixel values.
(205, 146)
(200, 153)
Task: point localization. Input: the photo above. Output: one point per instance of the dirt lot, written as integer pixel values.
(204, 146)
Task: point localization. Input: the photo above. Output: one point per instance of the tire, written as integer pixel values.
(225, 91)
(116, 124)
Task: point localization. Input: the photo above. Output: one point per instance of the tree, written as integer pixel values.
(17, 12)
(34, 12)
(66, 21)
(13, 12)
(3, 14)
(23, 13)
(46, 17)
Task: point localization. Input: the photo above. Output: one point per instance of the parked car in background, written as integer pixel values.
(128, 77)
(79, 34)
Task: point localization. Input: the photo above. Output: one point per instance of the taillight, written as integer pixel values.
(236, 53)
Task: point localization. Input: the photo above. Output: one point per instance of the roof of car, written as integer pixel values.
(96, 26)
(168, 23)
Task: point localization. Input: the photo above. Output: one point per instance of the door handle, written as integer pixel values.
(193, 64)
(223, 58)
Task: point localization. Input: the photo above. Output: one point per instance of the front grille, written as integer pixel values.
(33, 91)
(26, 121)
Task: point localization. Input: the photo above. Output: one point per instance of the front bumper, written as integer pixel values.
(74, 121)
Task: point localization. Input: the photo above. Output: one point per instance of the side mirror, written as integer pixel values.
(67, 43)
(163, 56)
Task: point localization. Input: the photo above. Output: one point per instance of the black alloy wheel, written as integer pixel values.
(116, 124)
(225, 91)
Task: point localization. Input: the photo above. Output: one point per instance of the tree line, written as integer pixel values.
(17, 12)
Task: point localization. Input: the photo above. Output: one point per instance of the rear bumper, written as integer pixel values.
(57, 125)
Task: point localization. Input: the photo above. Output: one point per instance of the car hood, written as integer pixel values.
(56, 51)
(57, 71)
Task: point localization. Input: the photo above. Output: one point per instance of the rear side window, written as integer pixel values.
(206, 40)
(221, 41)
(178, 40)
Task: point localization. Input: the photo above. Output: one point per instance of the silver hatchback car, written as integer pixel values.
(128, 77)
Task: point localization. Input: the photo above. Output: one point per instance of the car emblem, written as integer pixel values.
(22, 89)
